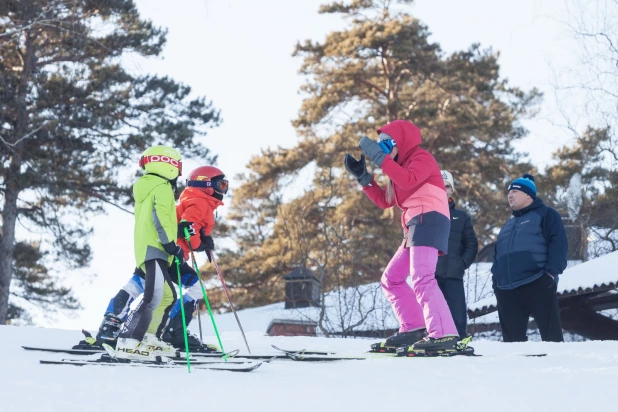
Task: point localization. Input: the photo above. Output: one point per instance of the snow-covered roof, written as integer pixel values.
(595, 275)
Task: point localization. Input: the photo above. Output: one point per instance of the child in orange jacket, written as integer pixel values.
(204, 193)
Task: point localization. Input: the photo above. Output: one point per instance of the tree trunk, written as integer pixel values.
(7, 244)
(9, 212)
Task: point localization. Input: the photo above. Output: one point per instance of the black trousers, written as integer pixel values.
(537, 299)
(453, 291)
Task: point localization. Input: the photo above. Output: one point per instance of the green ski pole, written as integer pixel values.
(182, 311)
(212, 318)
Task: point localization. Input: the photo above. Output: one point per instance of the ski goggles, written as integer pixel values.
(144, 160)
(387, 145)
(220, 185)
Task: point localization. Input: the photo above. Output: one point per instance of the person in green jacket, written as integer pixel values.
(155, 249)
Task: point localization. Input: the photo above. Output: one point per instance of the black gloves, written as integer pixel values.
(207, 243)
(173, 249)
(209, 246)
(181, 229)
(358, 169)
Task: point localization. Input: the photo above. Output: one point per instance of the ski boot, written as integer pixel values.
(108, 333)
(133, 349)
(150, 348)
(109, 330)
(174, 334)
(399, 339)
(430, 347)
(177, 339)
(157, 346)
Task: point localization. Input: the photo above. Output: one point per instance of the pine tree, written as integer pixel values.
(72, 116)
(587, 95)
(592, 158)
(381, 68)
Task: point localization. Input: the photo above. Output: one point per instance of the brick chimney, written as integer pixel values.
(302, 289)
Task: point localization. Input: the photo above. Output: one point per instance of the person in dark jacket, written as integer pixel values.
(462, 249)
(531, 252)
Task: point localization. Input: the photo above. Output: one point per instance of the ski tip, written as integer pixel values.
(304, 351)
(250, 368)
(231, 354)
(320, 358)
(246, 368)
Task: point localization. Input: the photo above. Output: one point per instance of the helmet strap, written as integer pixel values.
(199, 183)
(173, 182)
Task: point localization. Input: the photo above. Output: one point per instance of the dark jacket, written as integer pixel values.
(533, 242)
(462, 246)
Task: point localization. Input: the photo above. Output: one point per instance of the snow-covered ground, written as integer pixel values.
(573, 377)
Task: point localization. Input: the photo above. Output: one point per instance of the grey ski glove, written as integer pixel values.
(372, 150)
(358, 169)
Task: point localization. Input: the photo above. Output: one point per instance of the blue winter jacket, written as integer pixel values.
(533, 242)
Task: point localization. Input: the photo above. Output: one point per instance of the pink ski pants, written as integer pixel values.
(422, 305)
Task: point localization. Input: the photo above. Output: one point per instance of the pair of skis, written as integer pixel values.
(231, 361)
(109, 359)
(462, 349)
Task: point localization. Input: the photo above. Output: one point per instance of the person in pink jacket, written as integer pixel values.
(417, 188)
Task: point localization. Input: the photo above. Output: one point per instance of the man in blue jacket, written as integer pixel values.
(531, 252)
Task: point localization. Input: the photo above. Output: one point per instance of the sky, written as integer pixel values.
(238, 53)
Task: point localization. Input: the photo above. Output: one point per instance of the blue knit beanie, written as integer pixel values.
(524, 184)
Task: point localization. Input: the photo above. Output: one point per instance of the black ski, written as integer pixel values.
(229, 355)
(304, 351)
(320, 358)
(467, 351)
(243, 367)
(69, 351)
(94, 351)
(293, 355)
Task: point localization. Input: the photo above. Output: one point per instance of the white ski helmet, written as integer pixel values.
(448, 178)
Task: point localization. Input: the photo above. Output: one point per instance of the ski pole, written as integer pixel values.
(229, 299)
(212, 318)
(182, 311)
(199, 321)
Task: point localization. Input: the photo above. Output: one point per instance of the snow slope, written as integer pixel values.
(573, 377)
